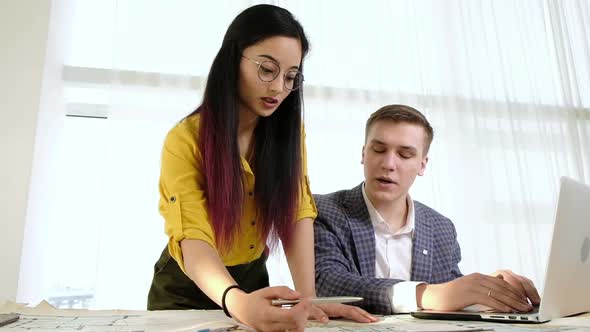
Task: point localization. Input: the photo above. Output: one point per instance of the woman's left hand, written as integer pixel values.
(321, 312)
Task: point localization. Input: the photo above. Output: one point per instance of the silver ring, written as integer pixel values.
(490, 293)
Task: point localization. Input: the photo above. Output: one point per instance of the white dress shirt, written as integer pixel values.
(393, 256)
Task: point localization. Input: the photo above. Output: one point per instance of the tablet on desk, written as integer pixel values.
(6, 319)
(320, 300)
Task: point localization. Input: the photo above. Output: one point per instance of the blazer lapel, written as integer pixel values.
(423, 247)
(363, 234)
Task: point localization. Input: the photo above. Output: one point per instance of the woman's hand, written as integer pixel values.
(255, 309)
(321, 312)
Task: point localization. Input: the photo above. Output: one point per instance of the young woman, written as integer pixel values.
(234, 175)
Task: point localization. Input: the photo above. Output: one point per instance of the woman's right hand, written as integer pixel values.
(255, 309)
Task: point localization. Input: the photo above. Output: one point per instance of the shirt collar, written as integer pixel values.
(378, 221)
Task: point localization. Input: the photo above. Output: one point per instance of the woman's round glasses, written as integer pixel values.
(269, 70)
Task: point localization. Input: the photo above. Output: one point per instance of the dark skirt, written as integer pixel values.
(172, 290)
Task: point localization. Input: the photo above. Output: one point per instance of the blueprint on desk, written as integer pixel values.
(45, 318)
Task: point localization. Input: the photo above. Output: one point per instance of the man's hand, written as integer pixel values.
(525, 286)
(475, 288)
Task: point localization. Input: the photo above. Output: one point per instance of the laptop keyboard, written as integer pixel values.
(534, 311)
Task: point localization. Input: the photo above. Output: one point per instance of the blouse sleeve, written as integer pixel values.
(182, 199)
(307, 208)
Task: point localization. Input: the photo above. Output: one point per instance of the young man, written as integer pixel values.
(374, 241)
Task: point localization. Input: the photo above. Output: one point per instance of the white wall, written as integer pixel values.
(23, 36)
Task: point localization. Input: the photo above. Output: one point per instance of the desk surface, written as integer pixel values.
(46, 318)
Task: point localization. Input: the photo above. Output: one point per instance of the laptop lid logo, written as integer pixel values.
(585, 250)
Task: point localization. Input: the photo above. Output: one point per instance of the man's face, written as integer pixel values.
(393, 156)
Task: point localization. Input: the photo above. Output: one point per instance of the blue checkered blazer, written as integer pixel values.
(345, 250)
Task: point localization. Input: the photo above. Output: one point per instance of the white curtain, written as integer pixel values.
(505, 85)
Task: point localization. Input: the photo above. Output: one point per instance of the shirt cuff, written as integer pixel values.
(403, 299)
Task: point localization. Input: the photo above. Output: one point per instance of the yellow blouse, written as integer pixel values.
(183, 203)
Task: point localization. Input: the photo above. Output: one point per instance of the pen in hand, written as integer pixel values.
(318, 300)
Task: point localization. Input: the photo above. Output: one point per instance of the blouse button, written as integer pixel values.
(172, 199)
(251, 246)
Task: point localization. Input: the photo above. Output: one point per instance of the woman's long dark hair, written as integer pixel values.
(276, 159)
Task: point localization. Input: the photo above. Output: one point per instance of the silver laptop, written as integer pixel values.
(567, 278)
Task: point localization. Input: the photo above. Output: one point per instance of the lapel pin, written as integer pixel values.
(425, 252)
